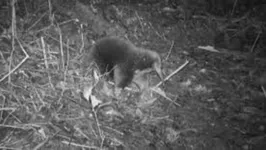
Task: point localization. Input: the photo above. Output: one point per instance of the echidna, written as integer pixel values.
(121, 59)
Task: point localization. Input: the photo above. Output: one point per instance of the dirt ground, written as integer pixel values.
(213, 96)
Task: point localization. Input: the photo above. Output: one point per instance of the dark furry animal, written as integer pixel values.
(122, 58)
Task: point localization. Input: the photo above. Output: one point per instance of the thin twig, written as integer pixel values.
(264, 91)
(142, 28)
(10, 61)
(59, 41)
(114, 130)
(98, 124)
(65, 74)
(3, 147)
(7, 108)
(170, 50)
(169, 99)
(17, 126)
(3, 105)
(82, 40)
(46, 62)
(40, 99)
(234, 8)
(79, 145)
(157, 33)
(68, 61)
(102, 143)
(40, 145)
(51, 16)
(36, 22)
(61, 49)
(173, 73)
(67, 21)
(8, 116)
(44, 53)
(82, 133)
(255, 42)
(13, 37)
(26, 9)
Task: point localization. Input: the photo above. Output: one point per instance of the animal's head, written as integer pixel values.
(155, 62)
(157, 65)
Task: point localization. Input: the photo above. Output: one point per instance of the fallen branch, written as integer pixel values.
(15, 68)
(173, 73)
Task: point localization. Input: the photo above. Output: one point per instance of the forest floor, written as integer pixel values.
(215, 98)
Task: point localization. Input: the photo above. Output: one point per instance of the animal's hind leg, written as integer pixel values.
(120, 76)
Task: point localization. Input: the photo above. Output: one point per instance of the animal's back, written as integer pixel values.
(112, 50)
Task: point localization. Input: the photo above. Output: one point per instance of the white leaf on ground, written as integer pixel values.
(159, 91)
(113, 112)
(209, 48)
(42, 133)
(87, 92)
(96, 75)
(61, 85)
(94, 101)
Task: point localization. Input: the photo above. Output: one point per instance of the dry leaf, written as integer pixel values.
(113, 112)
(87, 92)
(96, 75)
(94, 101)
(148, 103)
(209, 48)
(42, 133)
(107, 90)
(159, 91)
(61, 85)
